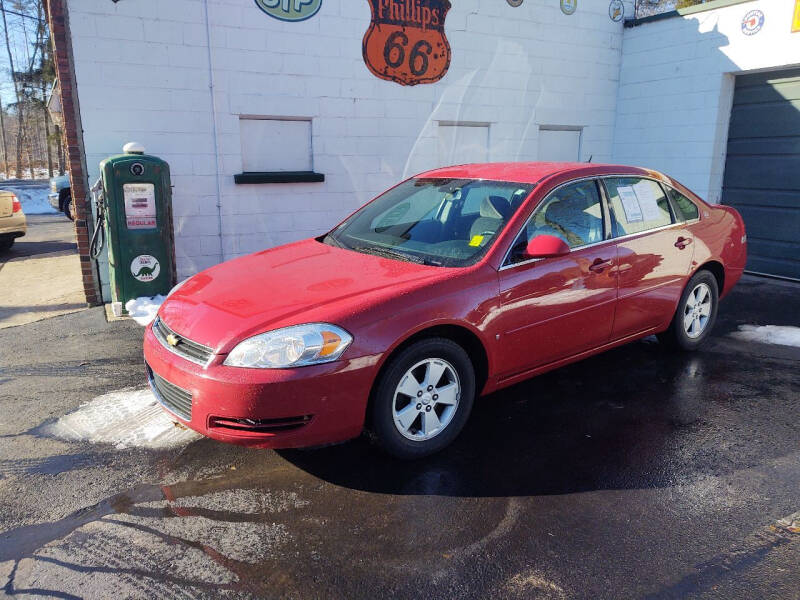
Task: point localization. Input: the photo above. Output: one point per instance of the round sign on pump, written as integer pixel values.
(145, 267)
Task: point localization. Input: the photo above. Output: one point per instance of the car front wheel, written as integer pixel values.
(696, 314)
(423, 398)
(66, 204)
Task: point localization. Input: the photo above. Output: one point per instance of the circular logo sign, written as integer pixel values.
(137, 169)
(753, 22)
(616, 10)
(569, 6)
(515, 3)
(290, 10)
(145, 267)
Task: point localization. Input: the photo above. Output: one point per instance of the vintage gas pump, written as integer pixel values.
(134, 214)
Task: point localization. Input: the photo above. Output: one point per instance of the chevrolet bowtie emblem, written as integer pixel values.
(173, 339)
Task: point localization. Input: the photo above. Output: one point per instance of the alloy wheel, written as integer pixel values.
(426, 399)
(697, 310)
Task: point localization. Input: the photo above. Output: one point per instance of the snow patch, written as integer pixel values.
(124, 418)
(33, 199)
(783, 335)
(143, 310)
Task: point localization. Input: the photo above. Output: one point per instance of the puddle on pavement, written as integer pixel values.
(260, 525)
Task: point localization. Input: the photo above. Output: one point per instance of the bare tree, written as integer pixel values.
(47, 72)
(32, 74)
(3, 136)
(60, 149)
(20, 116)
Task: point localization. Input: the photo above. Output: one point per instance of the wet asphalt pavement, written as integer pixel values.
(635, 474)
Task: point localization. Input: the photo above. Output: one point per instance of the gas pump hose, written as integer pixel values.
(99, 235)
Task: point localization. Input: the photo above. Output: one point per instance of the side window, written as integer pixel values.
(572, 213)
(686, 207)
(636, 205)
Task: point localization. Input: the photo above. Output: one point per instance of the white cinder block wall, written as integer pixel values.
(142, 70)
(676, 87)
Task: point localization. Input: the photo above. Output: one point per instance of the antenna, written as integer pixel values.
(590, 158)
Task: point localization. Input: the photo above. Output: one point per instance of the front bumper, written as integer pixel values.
(52, 197)
(264, 408)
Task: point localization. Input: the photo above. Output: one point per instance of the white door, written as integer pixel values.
(559, 145)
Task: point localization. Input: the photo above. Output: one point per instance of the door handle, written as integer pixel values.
(599, 265)
(682, 242)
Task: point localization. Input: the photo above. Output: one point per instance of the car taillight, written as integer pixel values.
(15, 205)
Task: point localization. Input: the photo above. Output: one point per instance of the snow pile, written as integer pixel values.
(33, 199)
(143, 310)
(123, 418)
(783, 335)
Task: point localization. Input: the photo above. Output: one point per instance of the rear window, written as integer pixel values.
(686, 208)
(636, 205)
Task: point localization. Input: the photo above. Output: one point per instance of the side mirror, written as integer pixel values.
(545, 246)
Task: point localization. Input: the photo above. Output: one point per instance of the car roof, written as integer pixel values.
(532, 172)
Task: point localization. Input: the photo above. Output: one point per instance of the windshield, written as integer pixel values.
(442, 222)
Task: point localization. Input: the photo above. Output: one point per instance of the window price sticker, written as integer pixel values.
(140, 205)
(648, 200)
(630, 204)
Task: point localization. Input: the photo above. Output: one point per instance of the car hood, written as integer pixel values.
(298, 283)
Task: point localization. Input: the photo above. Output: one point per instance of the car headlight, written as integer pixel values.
(296, 346)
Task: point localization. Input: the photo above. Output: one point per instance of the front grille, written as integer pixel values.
(197, 353)
(175, 399)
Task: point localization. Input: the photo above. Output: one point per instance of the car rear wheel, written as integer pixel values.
(423, 398)
(6, 243)
(696, 314)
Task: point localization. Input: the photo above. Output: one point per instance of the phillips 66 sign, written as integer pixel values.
(405, 41)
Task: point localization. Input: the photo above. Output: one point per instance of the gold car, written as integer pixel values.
(12, 220)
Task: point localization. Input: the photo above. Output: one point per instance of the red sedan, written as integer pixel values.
(453, 284)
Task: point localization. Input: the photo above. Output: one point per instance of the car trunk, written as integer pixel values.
(6, 203)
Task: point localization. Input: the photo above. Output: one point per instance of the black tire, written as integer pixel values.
(676, 336)
(6, 243)
(382, 426)
(65, 199)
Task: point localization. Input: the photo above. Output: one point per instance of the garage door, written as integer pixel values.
(762, 171)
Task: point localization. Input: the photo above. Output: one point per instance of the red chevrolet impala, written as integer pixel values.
(453, 284)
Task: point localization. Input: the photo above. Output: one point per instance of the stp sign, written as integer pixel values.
(290, 10)
(405, 41)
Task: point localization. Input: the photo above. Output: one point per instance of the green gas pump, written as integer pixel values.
(134, 213)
